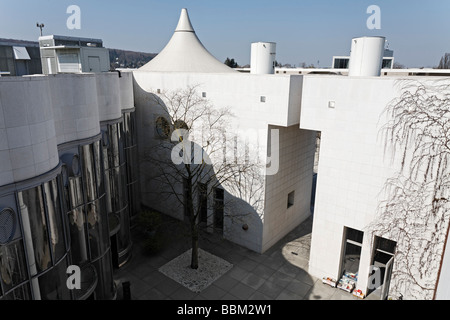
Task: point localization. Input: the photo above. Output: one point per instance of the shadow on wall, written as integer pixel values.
(225, 205)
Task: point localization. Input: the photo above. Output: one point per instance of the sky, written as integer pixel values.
(309, 31)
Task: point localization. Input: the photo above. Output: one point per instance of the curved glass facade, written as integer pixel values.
(63, 220)
(85, 203)
(131, 154)
(34, 264)
(117, 193)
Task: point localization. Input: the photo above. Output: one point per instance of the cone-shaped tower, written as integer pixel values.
(185, 53)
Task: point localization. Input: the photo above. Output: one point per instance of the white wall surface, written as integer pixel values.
(108, 96)
(126, 90)
(297, 148)
(353, 165)
(75, 106)
(241, 94)
(443, 289)
(27, 132)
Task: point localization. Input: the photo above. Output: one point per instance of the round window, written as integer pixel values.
(7, 225)
(162, 127)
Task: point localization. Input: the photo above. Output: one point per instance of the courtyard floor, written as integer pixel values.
(281, 273)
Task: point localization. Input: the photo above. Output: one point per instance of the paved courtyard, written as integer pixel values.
(281, 273)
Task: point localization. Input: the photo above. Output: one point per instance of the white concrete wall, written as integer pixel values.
(443, 289)
(27, 132)
(297, 148)
(126, 90)
(241, 94)
(352, 167)
(108, 96)
(75, 106)
(38, 113)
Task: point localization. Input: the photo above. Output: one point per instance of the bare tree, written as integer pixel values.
(196, 154)
(416, 211)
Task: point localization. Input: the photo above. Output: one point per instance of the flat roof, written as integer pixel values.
(57, 37)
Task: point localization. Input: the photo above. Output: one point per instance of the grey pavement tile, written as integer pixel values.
(226, 282)
(242, 291)
(289, 269)
(157, 261)
(229, 296)
(288, 295)
(153, 294)
(213, 292)
(154, 278)
(248, 264)
(320, 291)
(280, 278)
(142, 270)
(183, 293)
(259, 296)
(168, 286)
(237, 273)
(343, 295)
(274, 262)
(253, 281)
(299, 288)
(305, 277)
(137, 286)
(235, 257)
(263, 271)
(257, 257)
(270, 289)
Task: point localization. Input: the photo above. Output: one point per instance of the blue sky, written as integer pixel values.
(304, 30)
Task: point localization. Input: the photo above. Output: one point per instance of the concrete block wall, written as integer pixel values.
(27, 131)
(75, 106)
(295, 174)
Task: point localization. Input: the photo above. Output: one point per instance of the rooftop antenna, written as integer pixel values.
(40, 26)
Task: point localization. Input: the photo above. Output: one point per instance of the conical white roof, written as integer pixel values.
(185, 53)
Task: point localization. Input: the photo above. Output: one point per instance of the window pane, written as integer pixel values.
(98, 168)
(105, 287)
(55, 219)
(113, 151)
(98, 236)
(21, 293)
(355, 235)
(76, 192)
(53, 283)
(78, 236)
(87, 159)
(32, 210)
(123, 236)
(12, 265)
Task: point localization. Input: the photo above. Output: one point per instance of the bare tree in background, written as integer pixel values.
(416, 211)
(196, 135)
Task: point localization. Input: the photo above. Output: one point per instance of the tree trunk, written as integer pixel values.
(194, 227)
(194, 257)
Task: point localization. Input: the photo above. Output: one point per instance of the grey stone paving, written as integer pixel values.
(281, 273)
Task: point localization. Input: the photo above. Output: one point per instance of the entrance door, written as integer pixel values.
(387, 279)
